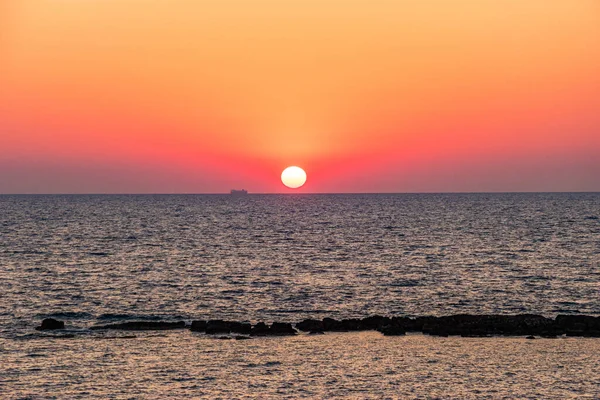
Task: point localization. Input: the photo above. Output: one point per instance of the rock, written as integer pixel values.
(217, 326)
(198, 326)
(260, 329)
(530, 324)
(418, 324)
(310, 325)
(351, 325)
(374, 322)
(575, 333)
(50, 324)
(142, 326)
(485, 325)
(465, 325)
(392, 330)
(332, 325)
(407, 324)
(531, 337)
(281, 329)
(549, 336)
(577, 322)
(276, 329)
(240, 327)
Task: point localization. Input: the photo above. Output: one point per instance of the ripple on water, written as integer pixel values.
(87, 258)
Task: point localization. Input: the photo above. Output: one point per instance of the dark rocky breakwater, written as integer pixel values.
(465, 325)
(142, 326)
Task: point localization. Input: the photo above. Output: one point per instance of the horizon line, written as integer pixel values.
(283, 193)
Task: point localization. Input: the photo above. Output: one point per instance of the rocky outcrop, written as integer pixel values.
(219, 326)
(241, 327)
(332, 325)
(281, 329)
(345, 325)
(481, 325)
(487, 325)
(276, 329)
(142, 326)
(311, 325)
(466, 325)
(50, 324)
(260, 329)
(578, 325)
(198, 326)
(374, 322)
(392, 330)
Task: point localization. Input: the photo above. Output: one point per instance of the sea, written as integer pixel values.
(97, 259)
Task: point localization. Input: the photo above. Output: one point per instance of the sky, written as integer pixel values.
(203, 96)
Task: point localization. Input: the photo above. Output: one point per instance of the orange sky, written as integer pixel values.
(197, 96)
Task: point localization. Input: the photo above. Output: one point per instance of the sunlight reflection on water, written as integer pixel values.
(350, 365)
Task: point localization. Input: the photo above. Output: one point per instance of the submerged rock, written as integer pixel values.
(50, 324)
(65, 336)
(142, 326)
(60, 336)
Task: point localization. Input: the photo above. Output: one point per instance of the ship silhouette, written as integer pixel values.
(242, 192)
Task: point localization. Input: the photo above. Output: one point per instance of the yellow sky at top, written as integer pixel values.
(291, 78)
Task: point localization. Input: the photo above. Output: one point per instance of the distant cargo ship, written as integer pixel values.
(242, 192)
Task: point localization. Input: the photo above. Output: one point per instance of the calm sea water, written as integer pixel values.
(96, 259)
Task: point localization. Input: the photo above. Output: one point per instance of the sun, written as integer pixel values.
(293, 177)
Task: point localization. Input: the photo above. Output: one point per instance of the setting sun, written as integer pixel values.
(293, 177)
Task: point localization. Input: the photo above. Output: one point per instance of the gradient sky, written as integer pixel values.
(198, 96)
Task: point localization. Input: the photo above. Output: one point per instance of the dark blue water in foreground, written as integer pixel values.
(287, 257)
